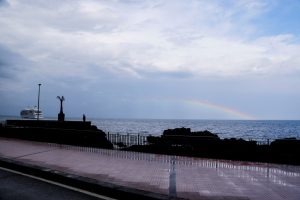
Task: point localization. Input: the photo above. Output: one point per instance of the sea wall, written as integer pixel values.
(67, 132)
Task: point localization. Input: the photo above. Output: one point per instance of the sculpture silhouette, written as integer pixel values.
(61, 115)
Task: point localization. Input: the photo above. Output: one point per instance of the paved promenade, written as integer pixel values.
(191, 178)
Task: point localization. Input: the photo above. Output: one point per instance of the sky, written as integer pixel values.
(160, 59)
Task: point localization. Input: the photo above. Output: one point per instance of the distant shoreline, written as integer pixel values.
(148, 119)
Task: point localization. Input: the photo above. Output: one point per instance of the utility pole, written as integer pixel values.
(38, 117)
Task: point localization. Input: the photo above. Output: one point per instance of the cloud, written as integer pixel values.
(122, 47)
(139, 38)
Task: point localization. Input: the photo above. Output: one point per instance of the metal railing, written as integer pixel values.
(126, 140)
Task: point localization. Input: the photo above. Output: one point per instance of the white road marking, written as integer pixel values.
(60, 185)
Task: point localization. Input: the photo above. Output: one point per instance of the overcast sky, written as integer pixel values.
(184, 59)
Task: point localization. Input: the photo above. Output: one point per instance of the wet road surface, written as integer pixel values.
(19, 187)
(186, 177)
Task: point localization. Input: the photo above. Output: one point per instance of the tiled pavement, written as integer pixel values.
(192, 178)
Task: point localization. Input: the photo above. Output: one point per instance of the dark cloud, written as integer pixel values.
(10, 63)
(3, 3)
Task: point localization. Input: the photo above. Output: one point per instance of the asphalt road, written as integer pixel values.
(19, 187)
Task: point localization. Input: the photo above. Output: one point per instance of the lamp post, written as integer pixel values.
(38, 117)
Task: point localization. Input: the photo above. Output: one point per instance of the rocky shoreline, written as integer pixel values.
(181, 141)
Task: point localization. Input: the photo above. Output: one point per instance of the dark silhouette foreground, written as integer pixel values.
(178, 141)
(61, 132)
(181, 141)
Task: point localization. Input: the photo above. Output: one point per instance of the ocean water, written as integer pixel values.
(246, 129)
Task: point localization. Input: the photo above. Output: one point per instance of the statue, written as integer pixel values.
(61, 115)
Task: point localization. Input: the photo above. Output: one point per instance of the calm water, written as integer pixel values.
(247, 129)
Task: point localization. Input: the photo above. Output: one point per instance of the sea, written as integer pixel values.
(245, 129)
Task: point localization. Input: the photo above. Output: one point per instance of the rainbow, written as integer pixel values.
(221, 108)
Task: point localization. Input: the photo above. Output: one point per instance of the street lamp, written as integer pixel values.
(38, 117)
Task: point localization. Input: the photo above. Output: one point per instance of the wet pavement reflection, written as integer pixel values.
(192, 178)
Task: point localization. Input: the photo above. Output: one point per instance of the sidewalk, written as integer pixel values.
(191, 178)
